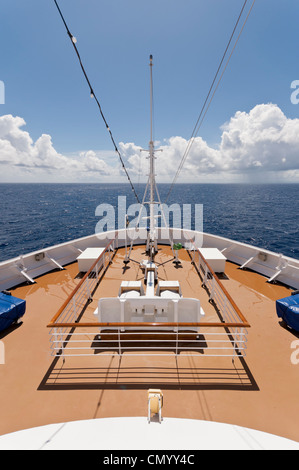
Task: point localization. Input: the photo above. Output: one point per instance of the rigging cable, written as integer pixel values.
(93, 95)
(201, 118)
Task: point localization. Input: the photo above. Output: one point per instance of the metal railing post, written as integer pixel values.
(234, 346)
(119, 343)
(205, 276)
(88, 289)
(212, 294)
(75, 309)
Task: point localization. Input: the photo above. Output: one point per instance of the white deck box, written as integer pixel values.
(214, 258)
(88, 257)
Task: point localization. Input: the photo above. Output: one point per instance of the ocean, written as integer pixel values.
(37, 216)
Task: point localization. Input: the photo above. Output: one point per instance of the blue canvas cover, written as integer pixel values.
(288, 310)
(11, 309)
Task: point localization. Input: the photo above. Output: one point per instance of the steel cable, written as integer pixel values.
(93, 95)
(199, 120)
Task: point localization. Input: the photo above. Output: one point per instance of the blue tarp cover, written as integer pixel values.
(288, 310)
(11, 309)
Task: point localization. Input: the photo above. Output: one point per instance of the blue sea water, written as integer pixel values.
(37, 216)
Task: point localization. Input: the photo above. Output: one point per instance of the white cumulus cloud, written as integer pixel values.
(20, 157)
(262, 144)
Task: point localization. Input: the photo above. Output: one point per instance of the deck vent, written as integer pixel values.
(39, 256)
(262, 256)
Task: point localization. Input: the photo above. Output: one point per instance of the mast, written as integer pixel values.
(152, 229)
(151, 187)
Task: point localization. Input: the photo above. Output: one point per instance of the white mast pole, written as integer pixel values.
(152, 170)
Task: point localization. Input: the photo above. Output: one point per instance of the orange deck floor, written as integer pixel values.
(259, 392)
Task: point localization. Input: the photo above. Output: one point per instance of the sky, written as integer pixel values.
(51, 129)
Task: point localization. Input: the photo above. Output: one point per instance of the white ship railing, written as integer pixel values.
(221, 344)
(28, 267)
(218, 295)
(225, 338)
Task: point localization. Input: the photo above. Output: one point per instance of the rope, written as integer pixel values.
(198, 122)
(93, 95)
